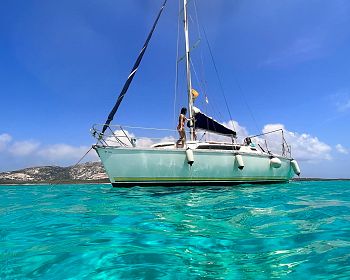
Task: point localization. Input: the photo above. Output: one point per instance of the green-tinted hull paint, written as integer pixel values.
(133, 166)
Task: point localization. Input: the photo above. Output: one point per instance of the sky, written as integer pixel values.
(280, 64)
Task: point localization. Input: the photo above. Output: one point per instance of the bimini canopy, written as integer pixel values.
(202, 121)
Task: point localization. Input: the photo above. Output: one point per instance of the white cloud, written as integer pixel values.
(304, 146)
(24, 148)
(302, 49)
(59, 152)
(343, 105)
(121, 136)
(4, 140)
(341, 149)
(141, 142)
(147, 142)
(241, 131)
(20, 154)
(341, 100)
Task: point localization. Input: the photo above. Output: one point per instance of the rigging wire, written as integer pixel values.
(201, 85)
(202, 70)
(201, 88)
(218, 76)
(62, 180)
(132, 73)
(83, 157)
(176, 85)
(202, 81)
(235, 80)
(246, 103)
(195, 74)
(213, 61)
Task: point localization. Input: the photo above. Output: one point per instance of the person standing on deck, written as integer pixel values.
(181, 128)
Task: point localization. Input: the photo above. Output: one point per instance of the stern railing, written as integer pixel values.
(272, 143)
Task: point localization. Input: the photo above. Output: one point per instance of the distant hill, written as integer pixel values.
(90, 172)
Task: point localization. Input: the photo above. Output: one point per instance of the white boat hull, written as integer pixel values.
(140, 166)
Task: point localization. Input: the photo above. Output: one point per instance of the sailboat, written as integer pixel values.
(127, 163)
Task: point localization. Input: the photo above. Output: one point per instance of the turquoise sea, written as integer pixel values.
(299, 230)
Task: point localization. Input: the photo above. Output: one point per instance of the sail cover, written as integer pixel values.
(202, 121)
(132, 73)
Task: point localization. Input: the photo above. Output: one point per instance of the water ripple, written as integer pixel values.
(296, 230)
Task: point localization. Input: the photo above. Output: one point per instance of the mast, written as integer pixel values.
(188, 71)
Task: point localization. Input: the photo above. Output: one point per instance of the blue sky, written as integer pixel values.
(63, 64)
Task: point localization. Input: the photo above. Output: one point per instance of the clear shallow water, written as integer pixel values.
(290, 231)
